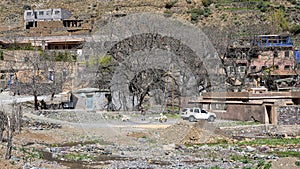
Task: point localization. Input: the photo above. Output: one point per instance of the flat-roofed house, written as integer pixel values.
(31, 17)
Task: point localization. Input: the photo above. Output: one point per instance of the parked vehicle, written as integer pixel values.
(194, 114)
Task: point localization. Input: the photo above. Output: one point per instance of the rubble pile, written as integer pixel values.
(189, 133)
(193, 136)
(39, 125)
(81, 116)
(197, 135)
(175, 133)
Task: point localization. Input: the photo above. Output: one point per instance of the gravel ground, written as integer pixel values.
(102, 140)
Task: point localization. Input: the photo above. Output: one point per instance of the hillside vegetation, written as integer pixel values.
(279, 16)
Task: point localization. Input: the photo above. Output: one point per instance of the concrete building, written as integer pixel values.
(256, 104)
(89, 99)
(31, 17)
(56, 21)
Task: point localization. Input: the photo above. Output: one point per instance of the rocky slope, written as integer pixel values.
(218, 13)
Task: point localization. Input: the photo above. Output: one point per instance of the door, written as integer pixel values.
(269, 114)
(89, 102)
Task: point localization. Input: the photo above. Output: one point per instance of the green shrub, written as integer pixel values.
(224, 16)
(281, 7)
(194, 17)
(294, 2)
(206, 3)
(279, 21)
(196, 12)
(64, 57)
(268, 165)
(207, 12)
(189, 1)
(170, 4)
(263, 6)
(105, 60)
(168, 12)
(294, 29)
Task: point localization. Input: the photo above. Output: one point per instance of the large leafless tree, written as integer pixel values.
(151, 56)
(235, 47)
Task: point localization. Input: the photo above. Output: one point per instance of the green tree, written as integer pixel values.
(278, 21)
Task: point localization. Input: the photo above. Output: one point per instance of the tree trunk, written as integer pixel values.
(18, 117)
(36, 102)
(9, 137)
(1, 131)
(2, 125)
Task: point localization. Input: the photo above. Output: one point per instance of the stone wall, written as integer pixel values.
(262, 131)
(243, 112)
(288, 115)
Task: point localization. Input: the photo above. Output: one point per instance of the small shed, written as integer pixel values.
(90, 98)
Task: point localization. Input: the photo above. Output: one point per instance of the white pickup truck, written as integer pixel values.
(194, 114)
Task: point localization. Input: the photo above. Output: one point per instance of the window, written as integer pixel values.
(242, 69)
(203, 111)
(276, 67)
(196, 110)
(41, 13)
(217, 106)
(275, 54)
(64, 74)
(51, 75)
(297, 66)
(56, 12)
(287, 54)
(231, 69)
(253, 68)
(287, 67)
(48, 13)
(28, 13)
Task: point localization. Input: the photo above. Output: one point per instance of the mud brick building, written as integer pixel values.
(261, 57)
(14, 56)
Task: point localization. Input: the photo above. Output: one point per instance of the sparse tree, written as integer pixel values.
(40, 73)
(11, 121)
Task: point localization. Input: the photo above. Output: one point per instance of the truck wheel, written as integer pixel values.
(211, 118)
(191, 118)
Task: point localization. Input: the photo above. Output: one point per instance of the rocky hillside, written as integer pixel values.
(279, 16)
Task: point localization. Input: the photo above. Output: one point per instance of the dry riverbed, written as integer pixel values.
(102, 140)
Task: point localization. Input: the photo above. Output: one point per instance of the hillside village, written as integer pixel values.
(237, 59)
